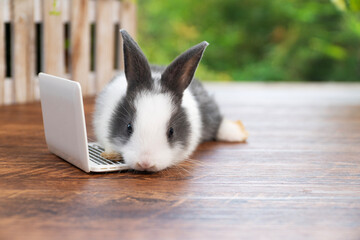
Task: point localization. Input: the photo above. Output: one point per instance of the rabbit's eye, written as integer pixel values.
(129, 129)
(170, 132)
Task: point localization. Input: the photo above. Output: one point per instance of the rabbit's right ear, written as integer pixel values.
(179, 74)
(137, 69)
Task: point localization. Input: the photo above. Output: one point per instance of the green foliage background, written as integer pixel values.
(259, 40)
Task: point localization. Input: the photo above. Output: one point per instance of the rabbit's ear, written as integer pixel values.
(178, 75)
(137, 69)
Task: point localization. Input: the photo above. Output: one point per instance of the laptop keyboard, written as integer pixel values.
(94, 154)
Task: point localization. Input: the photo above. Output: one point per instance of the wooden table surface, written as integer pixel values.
(297, 177)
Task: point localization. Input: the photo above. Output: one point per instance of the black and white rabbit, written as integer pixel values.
(155, 117)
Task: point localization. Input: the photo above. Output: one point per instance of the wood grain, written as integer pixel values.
(2, 54)
(23, 49)
(53, 38)
(80, 43)
(104, 43)
(297, 177)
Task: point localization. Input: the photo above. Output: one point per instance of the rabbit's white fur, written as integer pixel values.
(154, 110)
(230, 131)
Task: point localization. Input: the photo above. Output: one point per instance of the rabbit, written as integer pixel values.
(155, 117)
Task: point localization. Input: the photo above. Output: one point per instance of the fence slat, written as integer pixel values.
(53, 37)
(22, 86)
(2, 54)
(6, 13)
(104, 43)
(128, 22)
(80, 43)
(23, 50)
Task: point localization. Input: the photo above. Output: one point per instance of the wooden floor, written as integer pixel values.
(298, 177)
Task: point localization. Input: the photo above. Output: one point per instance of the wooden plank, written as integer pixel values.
(128, 17)
(2, 54)
(80, 43)
(31, 57)
(8, 94)
(128, 22)
(53, 38)
(104, 65)
(38, 18)
(7, 10)
(65, 10)
(298, 176)
(23, 50)
(92, 11)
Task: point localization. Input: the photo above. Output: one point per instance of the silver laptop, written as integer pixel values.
(65, 128)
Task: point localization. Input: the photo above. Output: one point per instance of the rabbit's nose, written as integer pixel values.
(145, 164)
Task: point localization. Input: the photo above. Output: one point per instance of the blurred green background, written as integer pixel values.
(257, 40)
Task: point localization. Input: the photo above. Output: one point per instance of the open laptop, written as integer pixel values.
(65, 129)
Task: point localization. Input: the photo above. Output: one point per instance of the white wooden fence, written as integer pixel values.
(74, 20)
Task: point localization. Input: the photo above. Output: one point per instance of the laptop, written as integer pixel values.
(65, 128)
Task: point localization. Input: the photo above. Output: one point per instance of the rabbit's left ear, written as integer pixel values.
(137, 69)
(179, 74)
